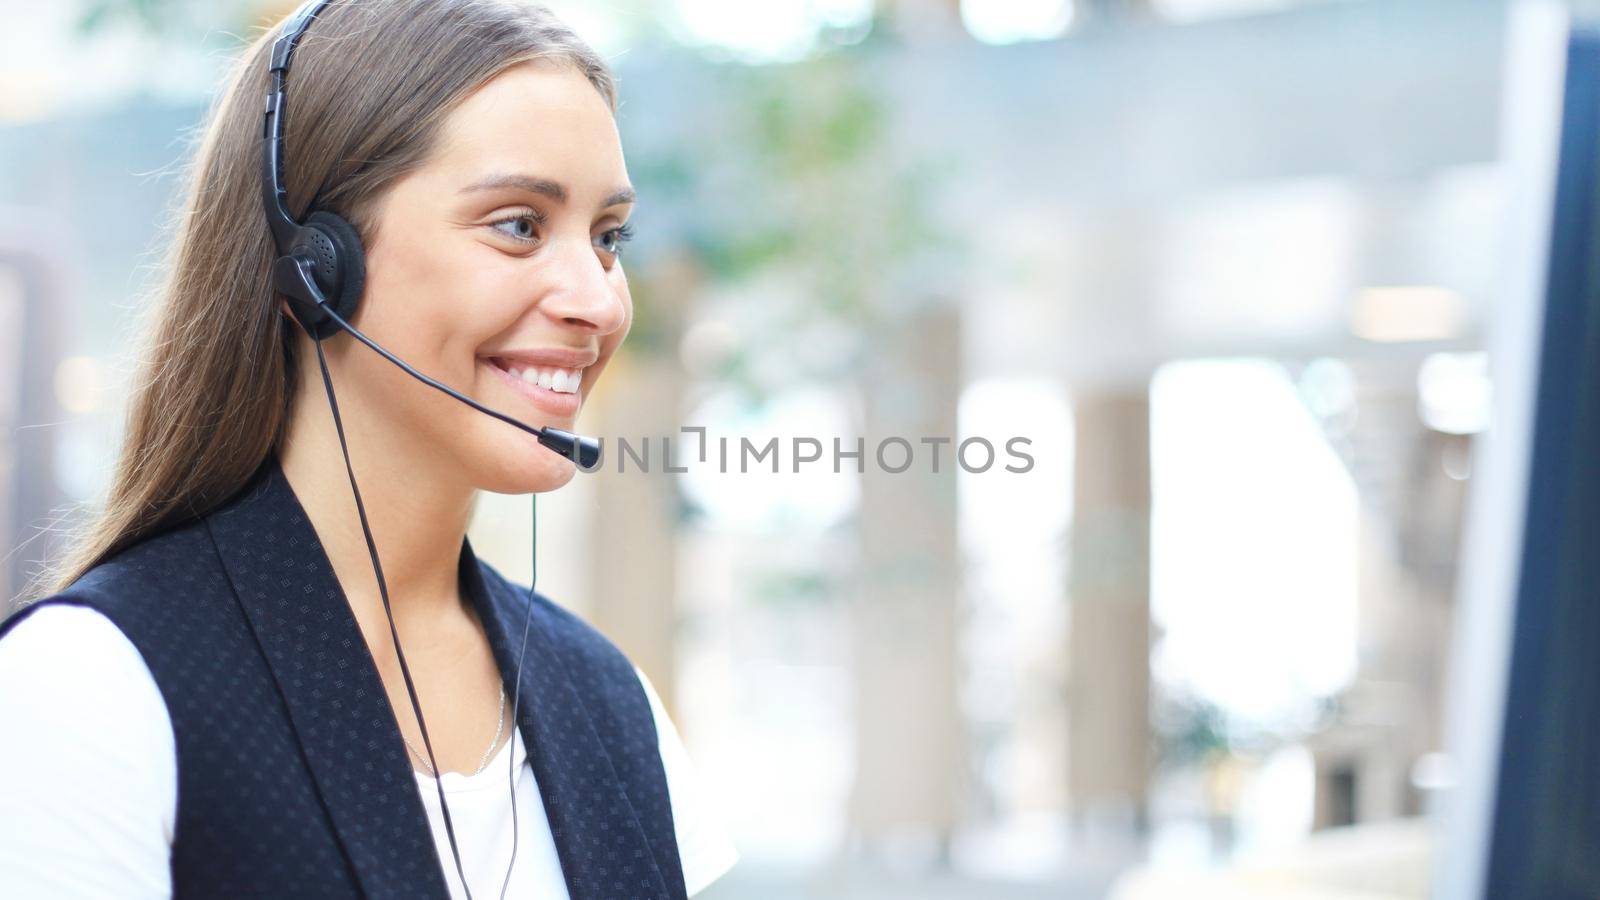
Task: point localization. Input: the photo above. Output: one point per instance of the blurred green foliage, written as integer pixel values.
(153, 15)
(186, 20)
(804, 199)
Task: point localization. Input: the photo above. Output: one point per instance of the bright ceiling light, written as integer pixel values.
(1010, 21)
(1408, 313)
(770, 31)
(1196, 10)
(1454, 392)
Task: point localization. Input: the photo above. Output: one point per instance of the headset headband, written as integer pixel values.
(273, 194)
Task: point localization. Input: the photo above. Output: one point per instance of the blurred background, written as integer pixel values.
(1226, 264)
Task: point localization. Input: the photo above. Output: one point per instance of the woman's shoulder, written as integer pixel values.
(168, 580)
(166, 559)
(67, 671)
(59, 654)
(87, 730)
(54, 630)
(136, 581)
(50, 649)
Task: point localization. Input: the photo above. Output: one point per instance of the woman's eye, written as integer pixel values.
(520, 227)
(613, 240)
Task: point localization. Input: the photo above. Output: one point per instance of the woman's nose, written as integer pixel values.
(583, 295)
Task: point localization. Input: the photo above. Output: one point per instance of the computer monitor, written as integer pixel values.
(1523, 820)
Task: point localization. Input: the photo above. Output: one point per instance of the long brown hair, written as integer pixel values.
(372, 81)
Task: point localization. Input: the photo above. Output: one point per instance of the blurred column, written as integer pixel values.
(635, 517)
(1412, 489)
(1108, 656)
(910, 740)
(31, 319)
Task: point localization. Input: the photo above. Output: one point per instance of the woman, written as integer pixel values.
(218, 699)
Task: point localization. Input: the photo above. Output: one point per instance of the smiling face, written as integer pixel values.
(496, 269)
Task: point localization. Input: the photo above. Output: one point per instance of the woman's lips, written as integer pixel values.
(554, 403)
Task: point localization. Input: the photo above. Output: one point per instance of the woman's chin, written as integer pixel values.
(535, 472)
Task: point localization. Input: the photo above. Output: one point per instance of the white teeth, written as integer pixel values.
(562, 381)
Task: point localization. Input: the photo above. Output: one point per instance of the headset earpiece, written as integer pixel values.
(334, 269)
(341, 261)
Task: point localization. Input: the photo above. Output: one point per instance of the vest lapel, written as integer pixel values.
(602, 845)
(330, 685)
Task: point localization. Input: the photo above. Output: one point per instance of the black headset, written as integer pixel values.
(321, 272)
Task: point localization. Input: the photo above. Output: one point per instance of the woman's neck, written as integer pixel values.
(418, 515)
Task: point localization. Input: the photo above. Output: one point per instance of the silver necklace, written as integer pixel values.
(483, 763)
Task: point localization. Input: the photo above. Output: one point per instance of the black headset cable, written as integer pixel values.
(383, 591)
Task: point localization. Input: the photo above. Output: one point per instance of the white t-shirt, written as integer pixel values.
(89, 780)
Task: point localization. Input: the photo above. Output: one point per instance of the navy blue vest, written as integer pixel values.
(293, 780)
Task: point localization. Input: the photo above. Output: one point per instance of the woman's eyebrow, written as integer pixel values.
(535, 185)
